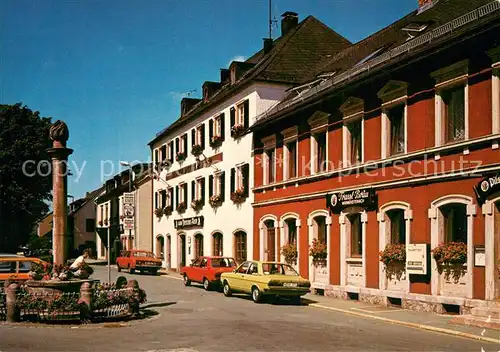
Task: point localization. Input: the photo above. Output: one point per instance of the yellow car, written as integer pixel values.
(265, 279)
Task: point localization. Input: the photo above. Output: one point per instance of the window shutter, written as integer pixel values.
(246, 109)
(177, 145)
(246, 171)
(171, 150)
(193, 189)
(185, 193)
(185, 143)
(171, 193)
(222, 184)
(210, 186)
(203, 136)
(176, 196)
(232, 115)
(156, 200)
(193, 136)
(203, 190)
(233, 175)
(210, 130)
(222, 125)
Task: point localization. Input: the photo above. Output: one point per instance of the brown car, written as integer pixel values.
(15, 267)
(143, 261)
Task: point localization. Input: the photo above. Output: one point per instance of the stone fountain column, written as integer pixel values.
(59, 154)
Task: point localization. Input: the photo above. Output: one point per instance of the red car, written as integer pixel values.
(207, 271)
(138, 260)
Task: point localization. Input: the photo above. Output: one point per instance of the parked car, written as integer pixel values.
(265, 279)
(207, 271)
(15, 267)
(142, 261)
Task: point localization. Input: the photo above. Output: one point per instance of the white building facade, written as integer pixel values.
(202, 204)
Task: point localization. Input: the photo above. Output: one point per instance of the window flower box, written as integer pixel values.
(451, 258)
(394, 258)
(216, 141)
(166, 163)
(181, 156)
(318, 252)
(100, 222)
(215, 200)
(196, 204)
(238, 196)
(106, 222)
(196, 150)
(237, 130)
(167, 210)
(289, 251)
(159, 212)
(181, 207)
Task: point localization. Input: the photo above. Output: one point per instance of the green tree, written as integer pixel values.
(25, 173)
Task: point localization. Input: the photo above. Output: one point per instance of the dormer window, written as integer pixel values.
(233, 75)
(205, 94)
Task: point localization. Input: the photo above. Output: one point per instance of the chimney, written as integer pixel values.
(268, 45)
(424, 5)
(289, 20)
(224, 75)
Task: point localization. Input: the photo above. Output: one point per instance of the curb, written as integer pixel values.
(411, 325)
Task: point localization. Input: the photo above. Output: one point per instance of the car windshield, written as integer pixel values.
(223, 263)
(144, 254)
(278, 269)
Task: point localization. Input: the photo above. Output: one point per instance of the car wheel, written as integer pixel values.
(226, 289)
(186, 281)
(256, 295)
(206, 284)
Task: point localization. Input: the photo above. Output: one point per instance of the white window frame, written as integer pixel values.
(181, 191)
(239, 119)
(269, 144)
(495, 91)
(217, 126)
(217, 183)
(197, 188)
(238, 177)
(181, 142)
(352, 110)
(198, 135)
(318, 123)
(447, 78)
(290, 135)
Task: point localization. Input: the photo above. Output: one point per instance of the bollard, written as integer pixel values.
(13, 312)
(86, 302)
(132, 288)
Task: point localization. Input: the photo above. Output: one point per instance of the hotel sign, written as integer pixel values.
(365, 198)
(416, 259)
(486, 187)
(196, 221)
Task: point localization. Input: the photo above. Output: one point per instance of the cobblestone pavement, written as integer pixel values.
(191, 319)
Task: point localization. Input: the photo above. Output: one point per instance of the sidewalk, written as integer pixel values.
(394, 315)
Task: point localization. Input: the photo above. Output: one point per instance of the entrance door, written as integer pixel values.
(169, 252)
(271, 244)
(182, 239)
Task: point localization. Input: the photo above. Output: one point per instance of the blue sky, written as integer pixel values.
(115, 71)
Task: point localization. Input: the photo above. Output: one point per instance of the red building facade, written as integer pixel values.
(391, 147)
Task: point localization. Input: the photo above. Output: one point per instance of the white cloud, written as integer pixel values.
(236, 58)
(176, 96)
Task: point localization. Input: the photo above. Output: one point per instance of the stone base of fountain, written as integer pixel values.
(52, 287)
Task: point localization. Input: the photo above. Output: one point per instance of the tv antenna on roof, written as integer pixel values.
(272, 21)
(189, 92)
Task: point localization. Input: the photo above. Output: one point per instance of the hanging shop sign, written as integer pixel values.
(486, 187)
(366, 198)
(196, 221)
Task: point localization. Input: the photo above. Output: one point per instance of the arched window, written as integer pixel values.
(198, 245)
(240, 246)
(217, 249)
(291, 231)
(160, 244)
(270, 243)
(454, 224)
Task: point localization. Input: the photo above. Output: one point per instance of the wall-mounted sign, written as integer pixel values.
(128, 198)
(196, 221)
(128, 210)
(128, 223)
(487, 186)
(365, 198)
(479, 256)
(416, 259)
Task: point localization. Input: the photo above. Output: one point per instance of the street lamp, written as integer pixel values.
(127, 164)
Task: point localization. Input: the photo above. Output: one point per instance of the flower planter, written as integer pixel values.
(215, 201)
(181, 156)
(318, 252)
(289, 251)
(196, 204)
(216, 141)
(395, 270)
(167, 210)
(196, 149)
(237, 131)
(181, 207)
(238, 196)
(159, 212)
(319, 263)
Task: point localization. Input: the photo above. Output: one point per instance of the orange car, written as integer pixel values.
(15, 267)
(138, 260)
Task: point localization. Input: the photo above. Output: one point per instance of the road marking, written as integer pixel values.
(171, 277)
(408, 324)
(376, 311)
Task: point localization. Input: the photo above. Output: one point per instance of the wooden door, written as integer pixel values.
(271, 244)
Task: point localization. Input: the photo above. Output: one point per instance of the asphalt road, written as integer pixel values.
(191, 319)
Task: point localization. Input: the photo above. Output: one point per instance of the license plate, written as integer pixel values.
(290, 284)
